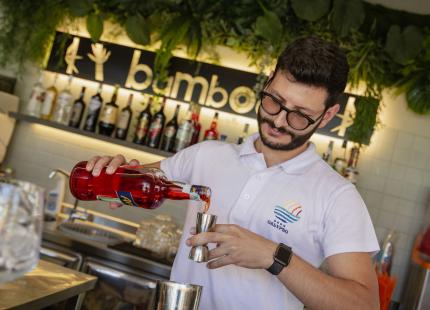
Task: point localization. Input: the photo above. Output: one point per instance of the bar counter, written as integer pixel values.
(45, 285)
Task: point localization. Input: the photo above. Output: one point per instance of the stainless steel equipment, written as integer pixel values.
(61, 256)
(177, 296)
(205, 222)
(119, 287)
(90, 232)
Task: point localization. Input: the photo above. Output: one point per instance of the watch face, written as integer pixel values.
(283, 254)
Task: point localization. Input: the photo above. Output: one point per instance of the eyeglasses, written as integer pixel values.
(295, 119)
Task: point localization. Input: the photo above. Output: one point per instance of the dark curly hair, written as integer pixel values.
(314, 61)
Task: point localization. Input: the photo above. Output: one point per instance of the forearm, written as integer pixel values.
(318, 290)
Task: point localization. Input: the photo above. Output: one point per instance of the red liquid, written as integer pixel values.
(133, 187)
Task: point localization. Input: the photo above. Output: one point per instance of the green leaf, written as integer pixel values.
(80, 8)
(269, 27)
(403, 47)
(347, 15)
(310, 10)
(95, 26)
(138, 29)
(418, 97)
(366, 110)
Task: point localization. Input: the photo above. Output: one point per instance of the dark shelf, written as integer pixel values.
(35, 120)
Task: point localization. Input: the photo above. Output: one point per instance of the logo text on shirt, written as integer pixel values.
(290, 213)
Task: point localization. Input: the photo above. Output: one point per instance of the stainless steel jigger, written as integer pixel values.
(205, 222)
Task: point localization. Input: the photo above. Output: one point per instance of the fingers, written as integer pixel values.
(218, 252)
(134, 162)
(91, 163)
(100, 164)
(220, 262)
(205, 238)
(117, 161)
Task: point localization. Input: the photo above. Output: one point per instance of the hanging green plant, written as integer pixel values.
(137, 29)
(418, 96)
(404, 46)
(310, 10)
(366, 110)
(347, 15)
(95, 26)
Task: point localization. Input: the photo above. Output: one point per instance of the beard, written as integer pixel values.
(296, 139)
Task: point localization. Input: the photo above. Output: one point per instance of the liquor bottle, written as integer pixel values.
(108, 115)
(63, 105)
(351, 172)
(94, 108)
(340, 162)
(124, 120)
(169, 134)
(244, 134)
(223, 138)
(212, 133)
(156, 128)
(196, 124)
(34, 104)
(184, 134)
(143, 123)
(78, 110)
(49, 100)
(328, 154)
(134, 186)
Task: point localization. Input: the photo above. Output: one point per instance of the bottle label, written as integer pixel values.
(123, 120)
(76, 113)
(35, 102)
(94, 105)
(195, 191)
(155, 128)
(210, 136)
(169, 132)
(126, 198)
(108, 114)
(47, 103)
(142, 128)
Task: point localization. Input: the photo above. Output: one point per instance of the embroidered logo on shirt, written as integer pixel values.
(290, 213)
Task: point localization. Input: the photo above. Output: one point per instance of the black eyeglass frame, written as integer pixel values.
(288, 111)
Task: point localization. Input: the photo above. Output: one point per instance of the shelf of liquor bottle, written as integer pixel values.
(35, 120)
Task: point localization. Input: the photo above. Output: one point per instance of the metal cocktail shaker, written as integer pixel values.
(177, 296)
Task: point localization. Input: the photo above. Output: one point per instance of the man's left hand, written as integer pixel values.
(236, 245)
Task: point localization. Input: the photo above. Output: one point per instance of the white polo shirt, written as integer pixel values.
(302, 202)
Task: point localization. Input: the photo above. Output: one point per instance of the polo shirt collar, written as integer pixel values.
(296, 165)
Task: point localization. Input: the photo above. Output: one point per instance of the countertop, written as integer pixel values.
(45, 285)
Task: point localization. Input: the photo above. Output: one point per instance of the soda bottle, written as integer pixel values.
(134, 186)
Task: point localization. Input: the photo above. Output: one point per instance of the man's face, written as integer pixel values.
(275, 132)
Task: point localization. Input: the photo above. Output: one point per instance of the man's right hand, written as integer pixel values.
(97, 163)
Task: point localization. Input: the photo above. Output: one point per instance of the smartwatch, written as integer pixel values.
(281, 259)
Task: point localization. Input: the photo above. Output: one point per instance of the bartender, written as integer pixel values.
(282, 211)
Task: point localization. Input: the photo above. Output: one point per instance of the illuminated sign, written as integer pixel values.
(211, 86)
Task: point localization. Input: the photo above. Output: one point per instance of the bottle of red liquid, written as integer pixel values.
(134, 186)
(212, 132)
(196, 124)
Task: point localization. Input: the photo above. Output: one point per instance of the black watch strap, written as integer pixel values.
(281, 259)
